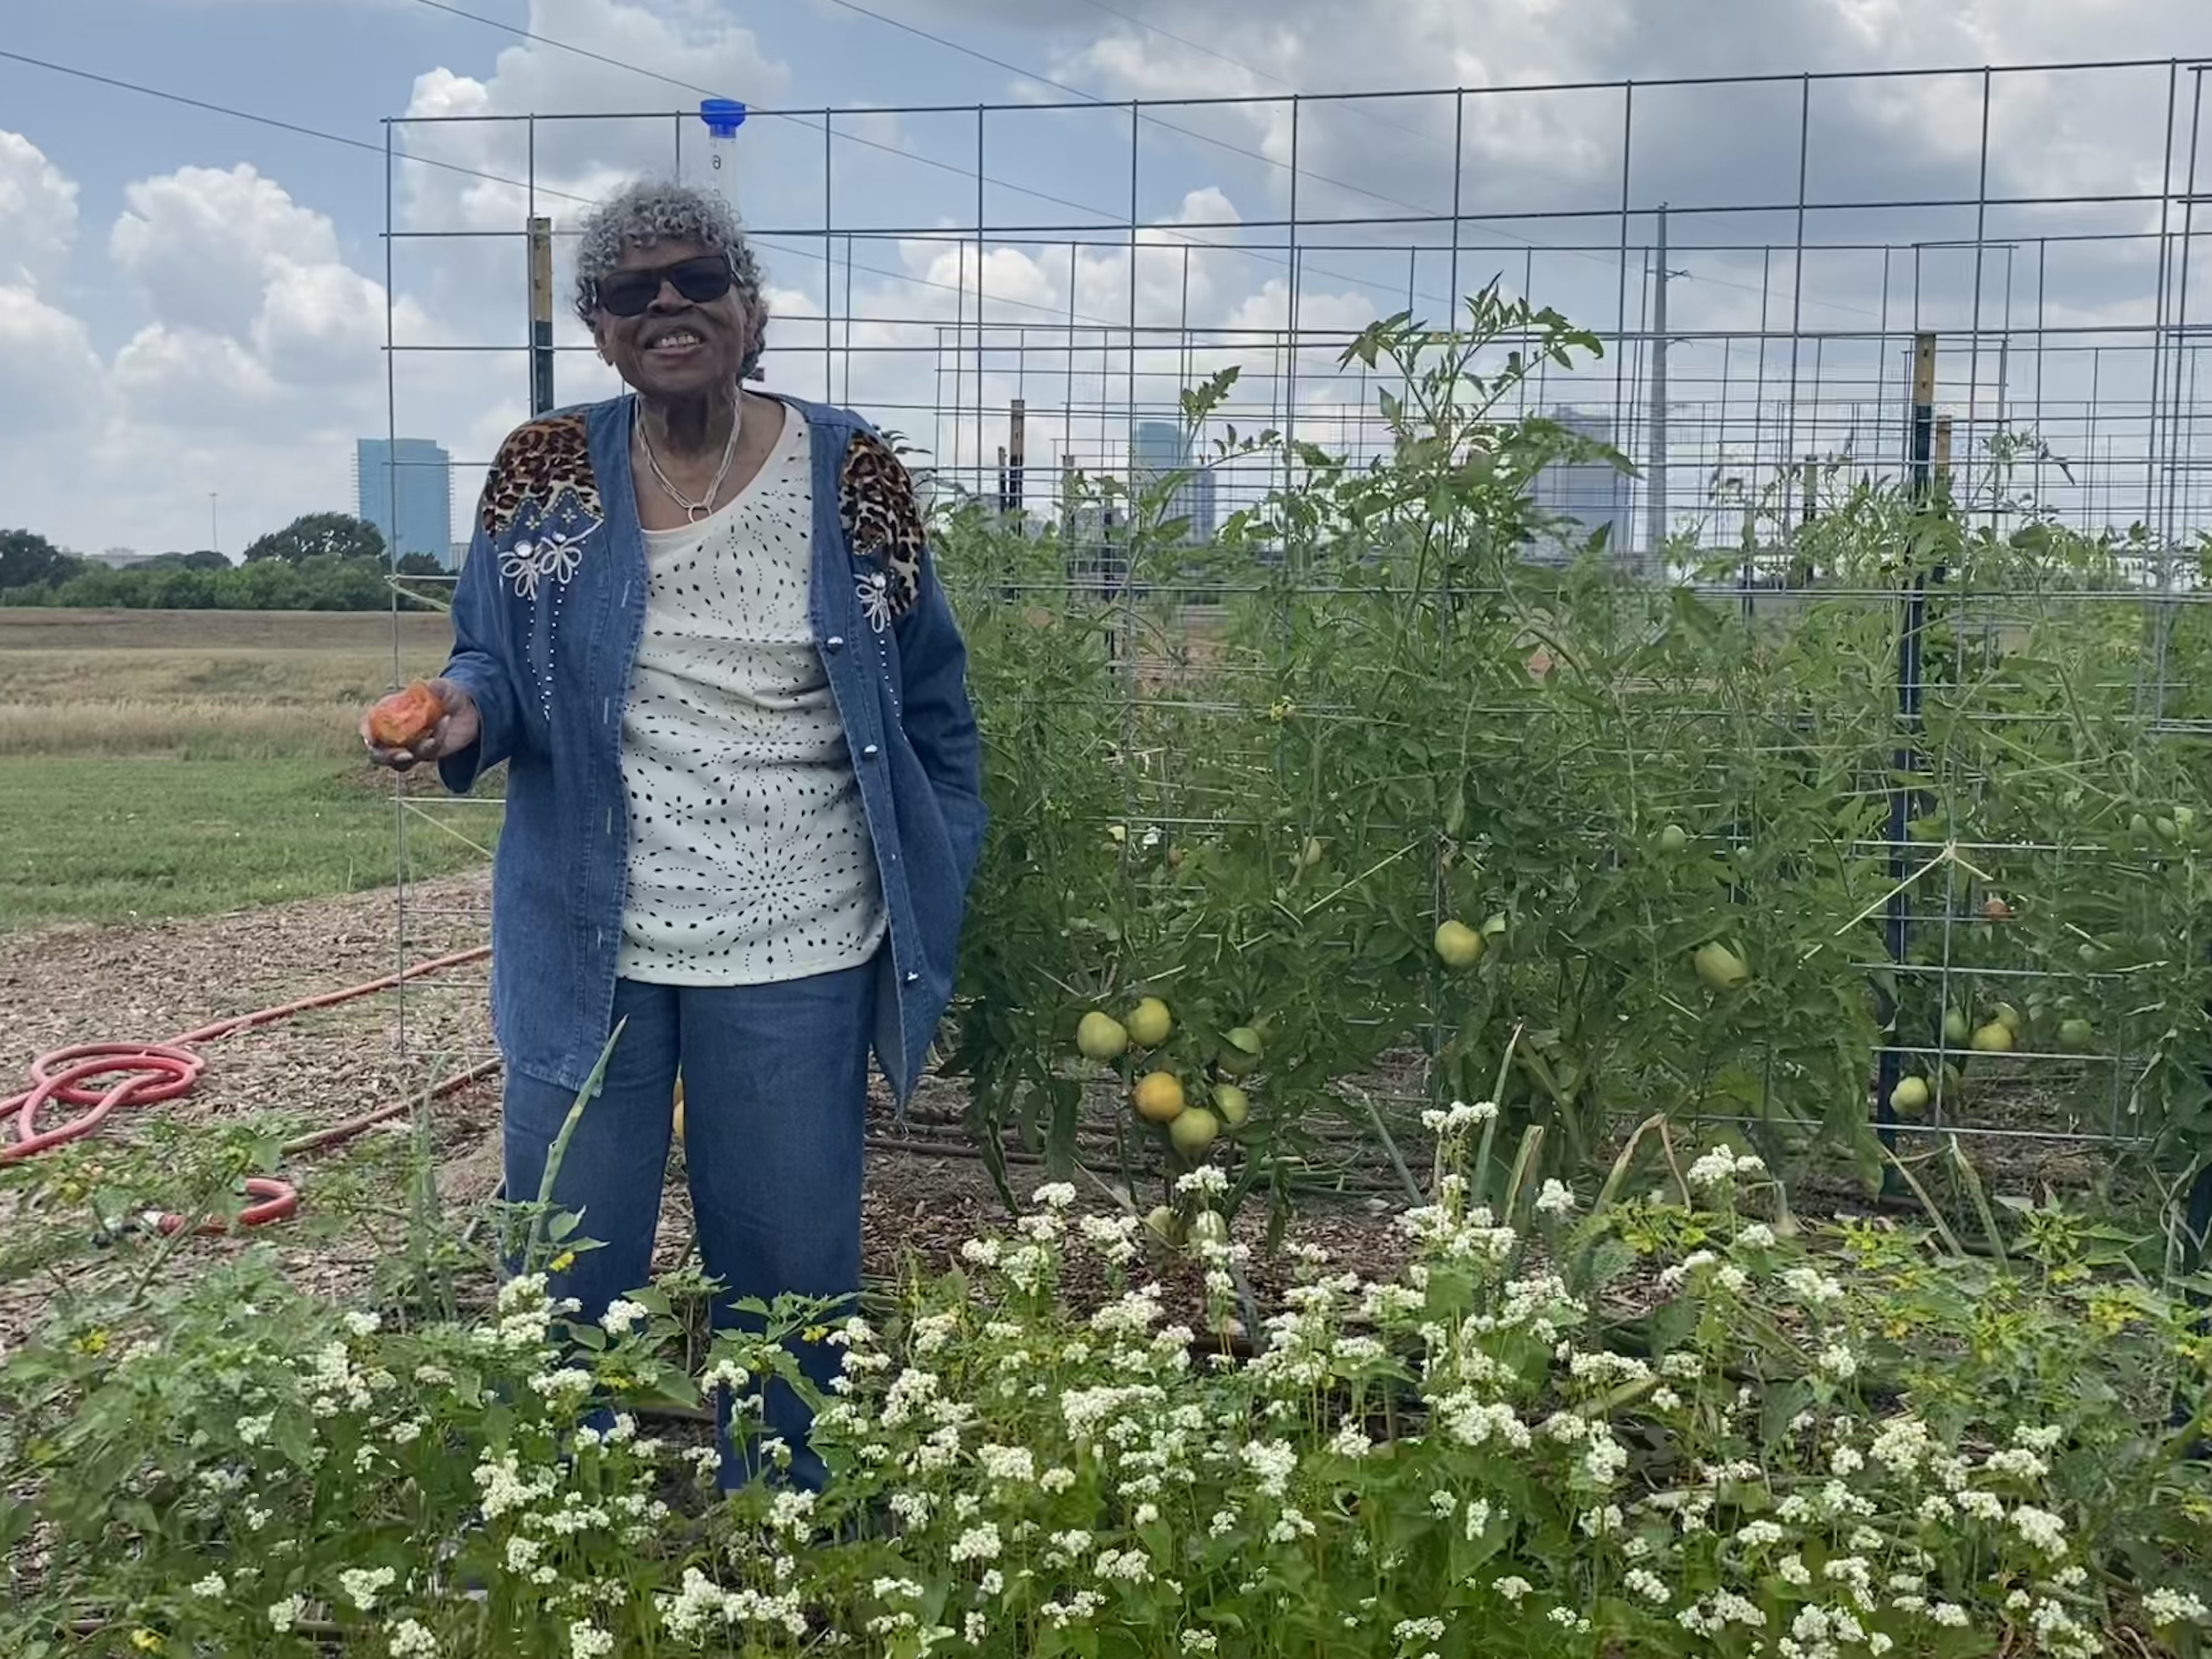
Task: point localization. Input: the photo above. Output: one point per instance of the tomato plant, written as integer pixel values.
(1359, 776)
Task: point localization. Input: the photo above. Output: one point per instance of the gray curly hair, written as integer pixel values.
(651, 211)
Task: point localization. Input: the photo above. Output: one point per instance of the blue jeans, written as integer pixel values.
(775, 1103)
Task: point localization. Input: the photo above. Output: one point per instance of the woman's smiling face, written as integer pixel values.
(677, 348)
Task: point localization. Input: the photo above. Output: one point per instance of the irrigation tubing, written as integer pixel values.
(101, 1079)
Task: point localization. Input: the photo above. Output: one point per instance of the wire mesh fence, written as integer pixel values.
(1830, 310)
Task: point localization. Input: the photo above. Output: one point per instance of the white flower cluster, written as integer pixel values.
(692, 1614)
(1723, 1164)
(1459, 1117)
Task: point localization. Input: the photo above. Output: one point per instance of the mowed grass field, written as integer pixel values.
(160, 764)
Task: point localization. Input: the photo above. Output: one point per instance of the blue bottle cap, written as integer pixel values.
(723, 116)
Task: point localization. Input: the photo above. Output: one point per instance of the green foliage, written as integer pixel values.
(1252, 778)
(241, 823)
(1661, 1425)
(29, 560)
(319, 535)
(315, 583)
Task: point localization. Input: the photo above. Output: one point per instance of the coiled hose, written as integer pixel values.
(98, 1078)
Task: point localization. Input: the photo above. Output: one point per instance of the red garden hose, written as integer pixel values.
(150, 1073)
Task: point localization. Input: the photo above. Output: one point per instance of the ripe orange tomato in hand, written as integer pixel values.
(405, 718)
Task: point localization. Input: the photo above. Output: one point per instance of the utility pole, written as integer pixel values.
(215, 523)
(541, 314)
(1655, 487)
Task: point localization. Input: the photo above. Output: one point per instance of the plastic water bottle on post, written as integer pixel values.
(717, 169)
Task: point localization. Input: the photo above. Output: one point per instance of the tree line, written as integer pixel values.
(320, 561)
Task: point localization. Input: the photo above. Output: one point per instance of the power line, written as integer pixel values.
(259, 120)
(379, 151)
(574, 49)
(1170, 232)
(1361, 106)
(1092, 98)
(950, 44)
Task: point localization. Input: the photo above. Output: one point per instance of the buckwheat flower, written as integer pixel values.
(284, 1614)
(1351, 1440)
(408, 1640)
(623, 1315)
(1665, 1399)
(1130, 1566)
(1054, 1195)
(2017, 1462)
(1733, 1279)
(1809, 1286)
(363, 1585)
(1271, 1463)
(1443, 1506)
(569, 1382)
(2038, 1440)
(1755, 1235)
(359, 1323)
(588, 1641)
(1566, 1427)
(2041, 1528)
(1982, 1506)
(1557, 1199)
(1793, 1571)
(1198, 1641)
(1714, 1168)
(1838, 1362)
(1759, 1534)
(1409, 1631)
(1845, 1461)
(1569, 1620)
(979, 1543)
(1648, 1585)
(252, 1431)
(1292, 1526)
(2173, 1607)
(1900, 1445)
(209, 1588)
(1513, 1590)
(1605, 1460)
(791, 1512)
(933, 1331)
(1478, 1518)
(1949, 1614)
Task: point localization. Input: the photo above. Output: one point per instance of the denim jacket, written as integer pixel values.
(548, 614)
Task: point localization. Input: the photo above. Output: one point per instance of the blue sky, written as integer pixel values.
(190, 302)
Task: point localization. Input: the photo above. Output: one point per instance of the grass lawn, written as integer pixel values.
(179, 763)
(103, 838)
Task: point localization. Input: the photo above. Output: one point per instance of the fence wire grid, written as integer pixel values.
(1022, 292)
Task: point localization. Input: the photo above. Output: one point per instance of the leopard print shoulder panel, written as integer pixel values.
(883, 526)
(541, 501)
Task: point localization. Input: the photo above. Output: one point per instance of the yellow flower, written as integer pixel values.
(815, 1333)
(146, 1641)
(92, 1342)
(563, 1262)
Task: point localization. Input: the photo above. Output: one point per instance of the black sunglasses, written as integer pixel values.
(701, 280)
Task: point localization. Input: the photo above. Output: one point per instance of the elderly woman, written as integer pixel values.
(699, 626)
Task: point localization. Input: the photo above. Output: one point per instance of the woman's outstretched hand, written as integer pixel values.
(455, 728)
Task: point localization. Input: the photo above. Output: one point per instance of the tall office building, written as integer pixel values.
(1163, 447)
(406, 490)
(1593, 494)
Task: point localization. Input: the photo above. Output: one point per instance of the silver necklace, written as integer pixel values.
(695, 511)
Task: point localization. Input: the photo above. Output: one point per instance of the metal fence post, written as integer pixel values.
(1920, 440)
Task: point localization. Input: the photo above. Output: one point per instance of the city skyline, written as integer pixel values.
(405, 487)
